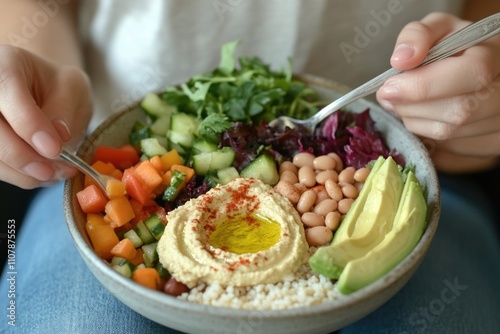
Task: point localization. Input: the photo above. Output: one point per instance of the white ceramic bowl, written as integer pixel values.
(196, 318)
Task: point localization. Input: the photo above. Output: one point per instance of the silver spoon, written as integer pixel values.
(465, 38)
(85, 168)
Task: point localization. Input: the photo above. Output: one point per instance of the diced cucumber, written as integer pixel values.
(162, 140)
(118, 261)
(206, 162)
(153, 105)
(262, 168)
(183, 123)
(139, 131)
(134, 237)
(185, 140)
(123, 270)
(161, 125)
(203, 145)
(122, 266)
(144, 233)
(163, 272)
(151, 147)
(150, 255)
(173, 189)
(155, 226)
(228, 174)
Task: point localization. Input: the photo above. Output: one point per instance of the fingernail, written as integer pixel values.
(39, 170)
(403, 52)
(62, 129)
(386, 105)
(63, 172)
(46, 145)
(390, 90)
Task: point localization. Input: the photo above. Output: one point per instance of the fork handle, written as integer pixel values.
(462, 39)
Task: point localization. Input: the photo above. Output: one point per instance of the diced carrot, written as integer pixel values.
(171, 158)
(187, 171)
(105, 168)
(117, 174)
(125, 248)
(91, 199)
(102, 236)
(136, 188)
(147, 277)
(137, 259)
(115, 188)
(94, 220)
(121, 158)
(119, 211)
(147, 173)
(166, 177)
(157, 164)
(184, 169)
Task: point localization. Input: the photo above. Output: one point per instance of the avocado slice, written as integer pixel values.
(367, 226)
(409, 225)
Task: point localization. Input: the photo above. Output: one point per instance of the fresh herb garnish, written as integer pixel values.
(247, 90)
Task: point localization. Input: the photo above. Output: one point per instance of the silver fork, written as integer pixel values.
(85, 168)
(465, 38)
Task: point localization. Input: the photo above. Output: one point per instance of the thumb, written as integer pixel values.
(416, 38)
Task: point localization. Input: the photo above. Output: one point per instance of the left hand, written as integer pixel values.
(452, 104)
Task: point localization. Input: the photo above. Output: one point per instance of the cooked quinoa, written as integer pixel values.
(302, 288)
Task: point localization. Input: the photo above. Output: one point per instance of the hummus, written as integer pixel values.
(241, 234)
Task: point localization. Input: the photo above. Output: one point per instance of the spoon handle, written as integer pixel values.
(465, 38)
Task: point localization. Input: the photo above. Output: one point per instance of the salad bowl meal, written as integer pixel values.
(215, 216)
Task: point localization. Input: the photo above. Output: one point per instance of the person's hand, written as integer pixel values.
(452, 104)
(42, 106)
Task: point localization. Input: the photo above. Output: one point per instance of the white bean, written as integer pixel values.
(307, 176)
(361, 174)
(306, 201)
(324, 162)
(347, 175)
(326, 206)
(334, 190)
(303, 159)
(324, 175)
(288, 190)
(318, 235)
(311, 219)
(289, 176)
(332, 220)
(344, 205)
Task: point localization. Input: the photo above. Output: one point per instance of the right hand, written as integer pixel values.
(43, 105)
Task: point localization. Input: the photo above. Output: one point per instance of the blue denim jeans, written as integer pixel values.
(455, 290)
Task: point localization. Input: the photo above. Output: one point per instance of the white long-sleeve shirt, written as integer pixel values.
(133, 47)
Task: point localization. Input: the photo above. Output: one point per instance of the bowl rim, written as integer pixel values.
(408, 264)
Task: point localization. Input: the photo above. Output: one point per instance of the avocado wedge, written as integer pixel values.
(366, 224)
(408, 228)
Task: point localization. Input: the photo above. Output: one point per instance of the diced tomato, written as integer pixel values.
(91, 199)
(136, 188)
(122, 158)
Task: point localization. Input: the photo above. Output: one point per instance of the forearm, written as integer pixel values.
(47, 28)
(475, 10)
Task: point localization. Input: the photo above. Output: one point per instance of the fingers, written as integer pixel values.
(418, 37)
(20, 109)
(24, 167)
(42, 106)
(469, 73)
